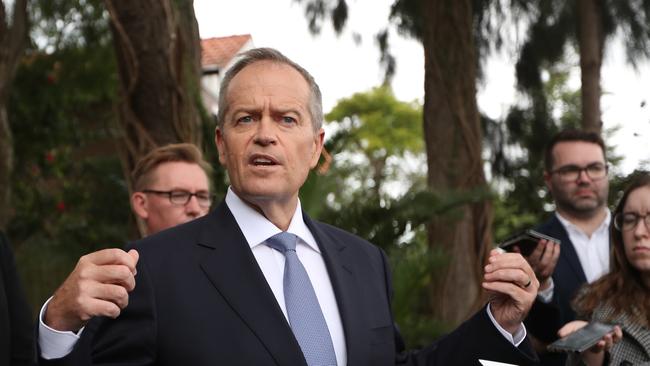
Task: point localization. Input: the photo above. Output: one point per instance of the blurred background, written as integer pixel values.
(437, 115)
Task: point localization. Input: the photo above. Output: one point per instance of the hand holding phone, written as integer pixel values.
(526, 242)
(541, 251)
(585, 337)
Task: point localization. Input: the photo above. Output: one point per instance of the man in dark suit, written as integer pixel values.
(218, 290)
(16, 327)
(576, 176)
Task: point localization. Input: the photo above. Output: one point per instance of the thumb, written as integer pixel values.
(136, 256)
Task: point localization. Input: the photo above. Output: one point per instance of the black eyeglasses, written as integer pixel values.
(570, 173)
(179, 197)
(628, 221)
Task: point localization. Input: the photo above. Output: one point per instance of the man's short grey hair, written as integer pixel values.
(269, 54)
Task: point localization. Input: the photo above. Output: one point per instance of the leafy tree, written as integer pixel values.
(368, 191)
(452, 133)
(70, 187)
(588, 25)
(13, 35)
(378, 127)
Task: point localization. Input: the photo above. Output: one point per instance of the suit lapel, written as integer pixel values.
(233, 270)
(567, 251)
(340, 265)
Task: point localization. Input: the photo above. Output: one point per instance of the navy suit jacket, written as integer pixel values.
(545, 320)
(201, 299)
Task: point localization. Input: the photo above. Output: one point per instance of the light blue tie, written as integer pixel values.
(305, 316)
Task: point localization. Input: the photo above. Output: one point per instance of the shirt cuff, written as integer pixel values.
(546, 296)
(54, 343)
(516, 338)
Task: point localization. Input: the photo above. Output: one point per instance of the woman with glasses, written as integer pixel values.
(621, 297)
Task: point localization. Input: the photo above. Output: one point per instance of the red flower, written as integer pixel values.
(60, 206)
(49, 156)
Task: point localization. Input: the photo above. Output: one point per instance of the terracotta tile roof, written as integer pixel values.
(218, 51)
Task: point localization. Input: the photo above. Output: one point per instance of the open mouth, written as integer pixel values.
(263, 160)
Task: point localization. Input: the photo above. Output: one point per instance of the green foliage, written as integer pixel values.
(413, 267)
(374, 126)
(380, 123)
(368, 191)
(69, 195)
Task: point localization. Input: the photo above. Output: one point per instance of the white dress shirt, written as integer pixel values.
(257, 229)
(593, 251)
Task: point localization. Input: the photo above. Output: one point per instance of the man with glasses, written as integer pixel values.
(171, 187)
(576, 177)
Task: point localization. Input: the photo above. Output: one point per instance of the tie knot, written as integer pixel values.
(282, 242)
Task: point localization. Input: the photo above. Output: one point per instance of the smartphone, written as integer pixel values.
(526, 241)
(582, 339)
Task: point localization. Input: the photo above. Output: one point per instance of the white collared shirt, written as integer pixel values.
(593, 251)
(257, 229)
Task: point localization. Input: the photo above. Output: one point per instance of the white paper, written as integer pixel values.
(494, 363)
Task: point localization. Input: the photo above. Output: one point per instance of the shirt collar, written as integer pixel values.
(257, 228)
(568, 225)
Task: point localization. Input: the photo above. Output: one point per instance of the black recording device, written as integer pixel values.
(526, 241)
(582, 339)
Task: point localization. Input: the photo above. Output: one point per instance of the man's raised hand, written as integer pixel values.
(98, 286)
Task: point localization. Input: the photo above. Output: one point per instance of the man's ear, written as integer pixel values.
(547, 180)
(218, 141)
(319, 140)
(139, 205)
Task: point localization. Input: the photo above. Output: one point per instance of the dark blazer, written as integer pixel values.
(201, 299)
(545, 320)
(16, 326)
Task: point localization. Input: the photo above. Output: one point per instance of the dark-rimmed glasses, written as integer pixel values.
(181, 198)
(570, 173)
(628, 221)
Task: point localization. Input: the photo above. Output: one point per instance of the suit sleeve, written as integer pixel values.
(475, 339)
(19, 335)
(544, 320)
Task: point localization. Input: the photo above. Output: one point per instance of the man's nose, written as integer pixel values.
(583, 176)
(192, 207)
(265, 133)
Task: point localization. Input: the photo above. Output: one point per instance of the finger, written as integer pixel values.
(100, 307)
(571, 327)
(111, 274)
(556, 251)
(618, 334)
(515, 276)
(115, 294)
(136, 256)
(508, 260)
(552, 252)
(109, 256)
(516, 293)
(505, 260)
(539, 250)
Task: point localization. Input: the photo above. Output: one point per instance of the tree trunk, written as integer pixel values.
(13, 35)
(591, 42)
(158, 55)
(453, 144)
